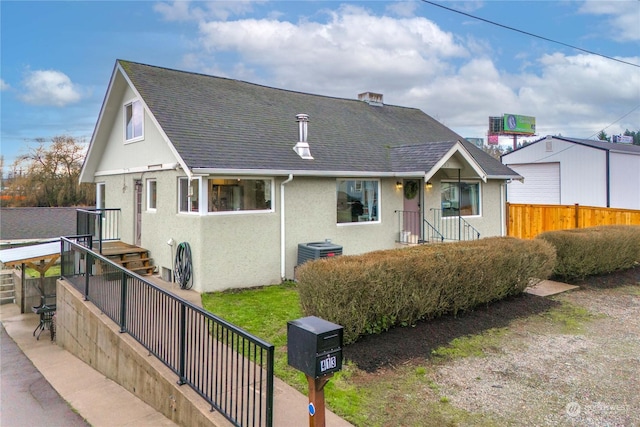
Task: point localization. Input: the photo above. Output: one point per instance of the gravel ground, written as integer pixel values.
(568, 360)
(589, 377)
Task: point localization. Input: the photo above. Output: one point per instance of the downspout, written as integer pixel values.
(459, 206)
(503, 209)
(282, 227)
(608, 183)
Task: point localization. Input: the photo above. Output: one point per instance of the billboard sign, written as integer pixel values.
(516, 124)
(622, 139)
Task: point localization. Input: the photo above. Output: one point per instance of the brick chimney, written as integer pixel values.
(371, 98)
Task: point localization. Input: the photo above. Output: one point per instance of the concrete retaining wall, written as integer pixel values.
(84, 331)
(30, 295)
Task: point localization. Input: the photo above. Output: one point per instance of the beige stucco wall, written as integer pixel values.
(90, 335)
(490, 222)
(243, 250)
(234, 250)
(151, 150)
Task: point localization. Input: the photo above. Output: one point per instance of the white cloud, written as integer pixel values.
(403, 8)
(352, 50)
(4, 85)
(623, 17)
(416, 64)
(184, 10)
(49, 87)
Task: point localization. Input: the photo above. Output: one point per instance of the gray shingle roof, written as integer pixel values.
(221, 123)
(37, 223)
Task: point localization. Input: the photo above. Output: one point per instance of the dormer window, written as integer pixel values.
(133, 121)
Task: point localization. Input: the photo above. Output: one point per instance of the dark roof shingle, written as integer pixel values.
(221, 123)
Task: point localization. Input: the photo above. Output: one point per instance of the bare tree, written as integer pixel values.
(49, 175)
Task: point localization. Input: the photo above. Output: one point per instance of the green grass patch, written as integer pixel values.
(471, 345)
(263, 312)
(53, 271)
(571, 318)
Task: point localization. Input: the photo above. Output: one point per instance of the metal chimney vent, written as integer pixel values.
(302, 146)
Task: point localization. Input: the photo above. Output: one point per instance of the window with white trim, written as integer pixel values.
(460, 198)
(133, 121)
(152, 192)
(188, 195)
(357, 200)
(100, 195)
(239, 194)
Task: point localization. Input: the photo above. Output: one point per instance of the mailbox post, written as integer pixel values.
(314, 346)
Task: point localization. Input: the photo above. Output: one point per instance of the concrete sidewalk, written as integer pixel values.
(104, 403)
(96, 398)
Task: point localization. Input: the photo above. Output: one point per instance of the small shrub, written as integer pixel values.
(590, 251)
(370, 293)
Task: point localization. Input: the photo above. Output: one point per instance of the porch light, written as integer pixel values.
(398, 185)
(428, 185)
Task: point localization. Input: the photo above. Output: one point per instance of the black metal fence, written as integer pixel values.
(231, 369)
(101, 224)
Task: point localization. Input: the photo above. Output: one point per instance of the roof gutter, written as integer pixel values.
(306, 173)
(282, 227)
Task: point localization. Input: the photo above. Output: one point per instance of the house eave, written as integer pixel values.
(305, 173)
(158, 167)
(505, 177)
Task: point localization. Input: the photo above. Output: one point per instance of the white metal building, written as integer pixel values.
(566, 171)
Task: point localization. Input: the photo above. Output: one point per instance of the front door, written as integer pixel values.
(138, 213)
(412, 215)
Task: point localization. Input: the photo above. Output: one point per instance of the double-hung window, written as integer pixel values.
(460, 198)
(152, 192)
(188, 195)
(358, 200)
(133, 121)
(239, 194)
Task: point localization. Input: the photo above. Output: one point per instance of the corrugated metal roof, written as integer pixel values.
(29, 253)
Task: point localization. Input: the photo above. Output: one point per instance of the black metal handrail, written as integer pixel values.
(433, 233)
(102, 224)
(230, 368)
(454, 227)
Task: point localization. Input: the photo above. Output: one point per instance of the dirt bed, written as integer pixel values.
(568, 360)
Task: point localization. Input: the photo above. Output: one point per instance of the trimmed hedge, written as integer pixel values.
(590, 251)
(372, 292)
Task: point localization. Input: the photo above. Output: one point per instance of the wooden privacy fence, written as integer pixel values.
(527, 221)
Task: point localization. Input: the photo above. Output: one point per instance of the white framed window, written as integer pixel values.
(100, 195)
(188, 195)
(152, 194)
(460, 198)
(133, 121)
(358, 201)
(239, 194)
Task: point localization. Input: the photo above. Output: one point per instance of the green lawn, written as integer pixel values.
(264, 312)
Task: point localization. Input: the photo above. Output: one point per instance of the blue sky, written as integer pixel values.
(57, 58)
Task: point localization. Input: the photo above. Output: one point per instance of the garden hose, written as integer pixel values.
(183, 267)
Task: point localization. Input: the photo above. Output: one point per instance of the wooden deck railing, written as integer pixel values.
(527, 221)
